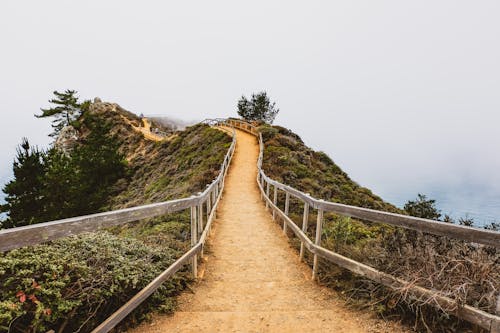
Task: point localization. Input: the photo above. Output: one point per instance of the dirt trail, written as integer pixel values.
(252, 279)
(146, 130)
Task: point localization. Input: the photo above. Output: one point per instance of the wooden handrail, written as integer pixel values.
(216, 188)
(42, 232)
(473, 315)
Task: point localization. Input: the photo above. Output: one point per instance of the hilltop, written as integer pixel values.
(421, 258)
(76, 282)
(86, 278)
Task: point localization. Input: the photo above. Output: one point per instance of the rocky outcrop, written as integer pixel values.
(67, 139)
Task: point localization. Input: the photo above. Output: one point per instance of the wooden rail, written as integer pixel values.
(473, 315)
(43, 232)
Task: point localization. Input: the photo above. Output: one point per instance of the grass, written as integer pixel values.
(465, 272)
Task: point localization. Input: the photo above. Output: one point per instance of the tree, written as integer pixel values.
(466, 221)
(259, 108)
(51, 185)
(423, 208)
(66, 110)
(99, 162)
(25, 193)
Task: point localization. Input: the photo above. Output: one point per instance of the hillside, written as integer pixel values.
(74, 283)
(289, 161)
(466, 273)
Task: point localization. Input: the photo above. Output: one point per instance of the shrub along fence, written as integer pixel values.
(203, 209)
(481, 237)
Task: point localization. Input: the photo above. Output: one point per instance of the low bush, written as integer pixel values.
(73, 284)
(468, 273)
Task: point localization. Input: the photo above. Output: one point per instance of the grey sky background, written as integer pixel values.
(404, 96)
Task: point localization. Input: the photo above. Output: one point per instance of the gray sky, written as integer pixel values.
(403, 95)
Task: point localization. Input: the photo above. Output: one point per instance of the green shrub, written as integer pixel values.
(77, 282)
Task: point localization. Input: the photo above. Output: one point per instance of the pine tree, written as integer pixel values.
(25, 193)
(100, 165)
(66, 110)
(259, 108)
(423, 207)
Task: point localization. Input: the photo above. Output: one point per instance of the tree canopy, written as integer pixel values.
(423, 207)
(50, 185)
(258, 108)
(24, 200)
(66, 110)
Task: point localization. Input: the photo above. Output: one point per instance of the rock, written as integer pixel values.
(67, 139)
(97, 100)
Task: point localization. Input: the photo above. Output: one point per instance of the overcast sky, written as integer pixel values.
(403, 95)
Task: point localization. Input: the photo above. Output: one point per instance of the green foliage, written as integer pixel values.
(25, 193)
(52, 185)
(258, 108)
(66, 110)
(464, 272)
(289, 161)
(174, 169)
(466, 221)
(342, 231)
(423, 207)
(77, 282)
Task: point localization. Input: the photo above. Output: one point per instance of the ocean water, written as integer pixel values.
(474, 202)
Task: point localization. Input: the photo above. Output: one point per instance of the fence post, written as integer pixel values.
(209, 205)
(305, 221)
(214, 193)
(287, 208)
(262, 185)
(319, 227)
(275, 200)
(194, 237)
(200, 223)
(267, 194)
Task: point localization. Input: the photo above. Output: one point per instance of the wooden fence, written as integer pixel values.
(202, 206)
(484, 237)
(38, 233)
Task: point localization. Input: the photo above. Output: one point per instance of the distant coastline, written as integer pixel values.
(480, 205)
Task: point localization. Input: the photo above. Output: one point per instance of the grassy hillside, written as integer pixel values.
(468, 273)
(288, 160)
(74, 283)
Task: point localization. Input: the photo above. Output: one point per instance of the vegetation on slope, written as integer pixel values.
(73, 284)
(288, 160)
(466, 272)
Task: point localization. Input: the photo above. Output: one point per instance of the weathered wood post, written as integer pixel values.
(199, 215)
(275, 200)
(319, 227)
(209, 205)
(214, 200)
(194, 238)
(305, 221)
(267, 194)
(287, 208)
(263, 187)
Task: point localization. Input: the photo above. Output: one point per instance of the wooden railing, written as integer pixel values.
(38, 233)
(473, 315)
(204, 203)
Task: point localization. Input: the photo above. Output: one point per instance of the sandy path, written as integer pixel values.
(252, 279)
(145, 130)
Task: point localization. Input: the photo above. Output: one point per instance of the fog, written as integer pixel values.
(404, 96)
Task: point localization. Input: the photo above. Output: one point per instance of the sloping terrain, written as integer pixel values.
(74, 283)
(253, 281)
(288, 160)
(467, 273)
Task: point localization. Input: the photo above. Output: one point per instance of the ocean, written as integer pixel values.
(480, 204)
